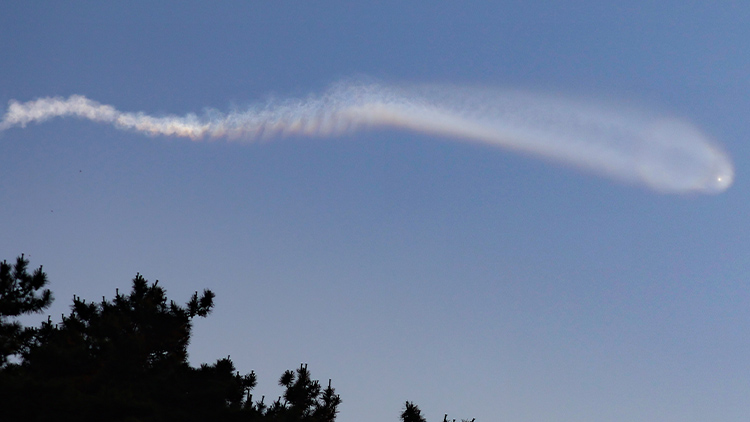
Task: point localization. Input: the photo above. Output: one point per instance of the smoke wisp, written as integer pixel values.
(665, 154)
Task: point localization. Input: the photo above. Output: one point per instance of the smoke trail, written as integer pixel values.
(668, 155)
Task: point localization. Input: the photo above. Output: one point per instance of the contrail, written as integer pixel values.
(665, 154)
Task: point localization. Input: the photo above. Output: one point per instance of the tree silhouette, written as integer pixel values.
(19, 295)
(126, 359)
(412, 413)
(304, 400)
(128, 337)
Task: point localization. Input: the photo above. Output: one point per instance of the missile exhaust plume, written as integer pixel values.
(666, 154)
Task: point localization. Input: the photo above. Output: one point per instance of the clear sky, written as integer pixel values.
(471, 280)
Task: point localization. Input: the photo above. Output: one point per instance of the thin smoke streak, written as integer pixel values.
(665, 154)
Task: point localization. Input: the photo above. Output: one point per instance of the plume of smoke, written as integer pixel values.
(665, 154)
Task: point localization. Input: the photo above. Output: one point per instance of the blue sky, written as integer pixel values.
(473, 281)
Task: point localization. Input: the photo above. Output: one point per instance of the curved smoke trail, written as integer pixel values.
(668, 155)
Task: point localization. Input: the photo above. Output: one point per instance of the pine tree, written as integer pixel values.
(126, 359)
(304, 399)
(19, 294)
(412, 413)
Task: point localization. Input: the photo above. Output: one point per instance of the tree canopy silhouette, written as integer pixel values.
(126, 359)
(19, 294)
(412, 413)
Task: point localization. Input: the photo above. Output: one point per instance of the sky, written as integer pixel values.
(472, 280)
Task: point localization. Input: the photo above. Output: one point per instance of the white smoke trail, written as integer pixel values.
(666, 154)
